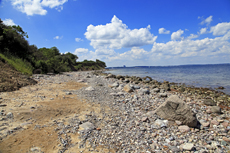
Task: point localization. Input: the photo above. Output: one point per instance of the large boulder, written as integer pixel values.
(175, 109)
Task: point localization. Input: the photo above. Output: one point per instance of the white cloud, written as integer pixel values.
(116, 35)
(208, 20)
(174, 52)
(31, 7)
(78, 39)
(58, 37)
(163, 31)
(177, 35)
(192, 36)
(81, 51)
(203, 30)
(9, 22)
(186, 50)
(220, 28)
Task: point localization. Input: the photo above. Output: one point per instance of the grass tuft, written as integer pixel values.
(20, 65)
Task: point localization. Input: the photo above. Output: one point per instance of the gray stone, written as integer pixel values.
(144, 91)
(136, 87)
(87, 125)
(216, 109)
(9, 115)
(178, 122)
(162, 95)
(116, 84)
(188, 146)
(174, 149)
(161, 123)
(156, 90)
(90, 88)
(209, 102)
(175, 109)
(68, 93)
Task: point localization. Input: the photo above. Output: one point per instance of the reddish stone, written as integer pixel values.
(225, 124)
(214, 122)
(226, 139)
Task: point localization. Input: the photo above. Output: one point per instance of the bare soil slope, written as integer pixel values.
(11, 79)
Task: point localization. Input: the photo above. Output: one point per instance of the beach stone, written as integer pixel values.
(175, 109)
(144, 119)
(136, 87)
(215, 122)
(226, 139)
(35, 150)
(161, 123)
(9, 115)
(174, 149)
(163, 95)
(156, 90)
(128, 88)
(111, 76)
(116, 84)
(205, 124)
(80, 81)
(87, 125)
(178, 122)
(144, 91)
(225, 124)
(184, 128)
(127, 80)
(90, 88)
(119, 77)
(188, 146)
(216, 109)
(209, 102)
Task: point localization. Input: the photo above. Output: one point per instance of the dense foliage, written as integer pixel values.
(13, 44)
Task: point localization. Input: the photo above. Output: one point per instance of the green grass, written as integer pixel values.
(20, 65)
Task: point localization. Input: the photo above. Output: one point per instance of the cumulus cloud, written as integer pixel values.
(58, 37)
(81, 51)
(78, 39)
(180, 50)
(192, 36)
(9, 22)
(116, 35)
(203, 30)
(31, 7)
(163, 31)
(185, 50)
(220, 28)
(177, 35)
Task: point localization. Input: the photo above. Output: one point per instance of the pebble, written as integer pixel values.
(184, 128)
(188, 146)
(131, 124)
(9, 115)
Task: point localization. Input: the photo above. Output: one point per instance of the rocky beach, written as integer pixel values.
(96, 112)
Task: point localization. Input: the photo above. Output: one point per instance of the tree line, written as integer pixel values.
(43, 60)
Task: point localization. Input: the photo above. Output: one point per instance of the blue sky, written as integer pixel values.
(127, 32)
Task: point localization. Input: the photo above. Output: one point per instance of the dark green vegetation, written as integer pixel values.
(28, 59)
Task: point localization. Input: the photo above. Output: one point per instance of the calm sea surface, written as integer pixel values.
(210, 76)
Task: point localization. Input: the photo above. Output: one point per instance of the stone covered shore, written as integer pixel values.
(131, 115)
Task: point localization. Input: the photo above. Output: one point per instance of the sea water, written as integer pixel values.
(208, 76)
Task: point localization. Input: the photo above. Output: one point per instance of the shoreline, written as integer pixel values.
(96, 113)
(181, 87)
